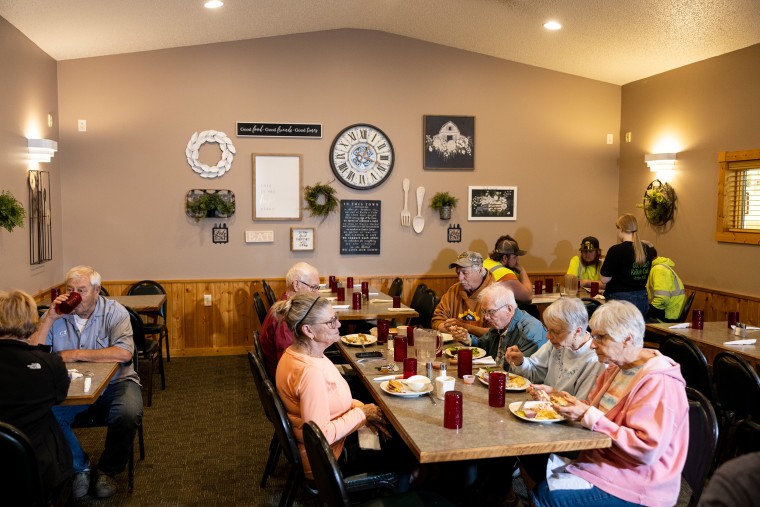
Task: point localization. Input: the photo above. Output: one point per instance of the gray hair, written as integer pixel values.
(84, 272)
(298, 272)
(499, 295)
(302, 309)
(568, 314)
(620, 319)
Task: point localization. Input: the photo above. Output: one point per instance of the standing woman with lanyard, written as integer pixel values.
(626, 267)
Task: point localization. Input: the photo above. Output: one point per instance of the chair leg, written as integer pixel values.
(141, 441)
(165, 333)
(274, 457)
(131, 469)
(161, 368)
(150, 381)
(286, 499)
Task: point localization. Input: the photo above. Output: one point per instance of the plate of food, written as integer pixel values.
(399, 388)
(514, 382)
(535, 411)
(358, 339)
(477, 352)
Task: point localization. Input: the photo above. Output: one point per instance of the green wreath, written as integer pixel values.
(659, 203)
(320, 199)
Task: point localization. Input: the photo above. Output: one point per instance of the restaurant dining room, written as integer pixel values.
(442, 252)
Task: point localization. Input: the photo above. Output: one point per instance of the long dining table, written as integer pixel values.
(377, 306)
(141, 302)
(712, 339)
(486, 432)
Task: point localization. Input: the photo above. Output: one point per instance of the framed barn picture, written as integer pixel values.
(449, 142)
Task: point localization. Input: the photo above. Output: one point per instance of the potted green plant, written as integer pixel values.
(443, 203)
(210, 205)
(12, 213)
(659, 203)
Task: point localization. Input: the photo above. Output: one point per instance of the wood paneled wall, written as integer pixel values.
(227, 325)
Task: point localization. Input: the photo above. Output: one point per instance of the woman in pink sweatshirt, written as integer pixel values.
(640, 402)
(309, 384)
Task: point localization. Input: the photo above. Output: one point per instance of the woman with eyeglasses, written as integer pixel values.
(640, 402)
(312, 388)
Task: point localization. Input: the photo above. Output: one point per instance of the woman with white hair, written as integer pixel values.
(640, 402)
(566, 362)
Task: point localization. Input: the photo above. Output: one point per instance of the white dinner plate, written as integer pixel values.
(512, 384)
(353, 339)
(477, 352)
(531, 405)
(407, 394)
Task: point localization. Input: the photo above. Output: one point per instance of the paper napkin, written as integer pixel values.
(341, 307)
(398, 309)
(325, 290)
(74, 374)
(683, 325)
(381, 301)
(749, 341)
(332, 298)
(387, 377)
(488, 361)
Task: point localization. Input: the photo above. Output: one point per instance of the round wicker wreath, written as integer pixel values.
(320, 199)
(659, 203)
(210, 136)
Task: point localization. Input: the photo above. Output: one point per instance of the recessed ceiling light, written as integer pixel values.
(552, 25)
(213, 4)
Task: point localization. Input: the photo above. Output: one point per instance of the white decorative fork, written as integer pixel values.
(406, 217)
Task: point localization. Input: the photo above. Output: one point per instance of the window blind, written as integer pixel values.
(742, 195)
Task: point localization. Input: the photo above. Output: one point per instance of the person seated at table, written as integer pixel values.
(640, 402)
(312, 388)
(733, 483)
(587, 265)
(627, 264)
(459, 305)
(509, 326)
(566, 362)
(275, 336)
(665, 290)
(33, 380)
(504, 264)
(97, 330)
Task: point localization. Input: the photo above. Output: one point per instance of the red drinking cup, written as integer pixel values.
(341, 292)
(452, 410)
(350, 282)
(410, 336)
(410, 366)
(697, 319)
(396, 301)
(497, 384)
(399, 348)
(54, 293)
(68, 306)
(357, 301)
(549, 282)
(382, 331)
(594, 288)
(538, 287)
(464, 362)
(733, 318)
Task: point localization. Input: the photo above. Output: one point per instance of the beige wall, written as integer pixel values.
(124, 180)
(28, 92)
(705, 108)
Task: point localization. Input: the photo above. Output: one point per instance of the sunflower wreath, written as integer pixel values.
(320, 200)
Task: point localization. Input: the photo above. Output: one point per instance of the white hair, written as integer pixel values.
(620, 319)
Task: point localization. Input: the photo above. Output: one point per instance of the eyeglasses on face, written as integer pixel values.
(492, 312)
(82, 290)
(332, 323)
(312, 287)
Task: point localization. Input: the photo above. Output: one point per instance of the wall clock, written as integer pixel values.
(361, 156)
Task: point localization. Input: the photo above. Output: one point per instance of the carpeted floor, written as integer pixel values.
(206, 442)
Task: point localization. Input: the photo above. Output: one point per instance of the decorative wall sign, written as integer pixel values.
(298, 130)
(210, 136)
(360, 227)
(276, 187)
(492, 203)
(220, 233)
(454, 233)
(40, 218)
(301, 239)
(449, 142)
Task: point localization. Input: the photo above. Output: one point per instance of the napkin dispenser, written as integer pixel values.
(740, 330)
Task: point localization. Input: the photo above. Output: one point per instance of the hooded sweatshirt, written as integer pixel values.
(649, 428)
(665, 288)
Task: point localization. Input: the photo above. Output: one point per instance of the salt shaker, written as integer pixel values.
(429, 371)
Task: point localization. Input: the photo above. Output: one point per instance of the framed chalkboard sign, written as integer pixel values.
(359, 227)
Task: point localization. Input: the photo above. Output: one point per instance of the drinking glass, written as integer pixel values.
(332, 283)
(427, 344)
(733, 318)
(357, 301)
(54, 293)
(396, 301)
(452, 410)
(410, 367)
(382, 331)
(341, 292)
(350, 282)
(549, 282)
(410, 336)
(399, 348)
(68, 306)
(571, 285)
(464, 362)
(594, 288)
(697, 319)
(538, 287)
(497, 384)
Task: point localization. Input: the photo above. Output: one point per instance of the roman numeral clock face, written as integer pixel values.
(361, 156)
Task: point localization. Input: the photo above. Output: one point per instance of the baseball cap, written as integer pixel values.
(509, 247)
(589, 243)
(467, 259)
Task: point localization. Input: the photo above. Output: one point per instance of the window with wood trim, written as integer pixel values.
(739, 197)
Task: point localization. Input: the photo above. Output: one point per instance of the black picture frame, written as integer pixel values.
(449, 143)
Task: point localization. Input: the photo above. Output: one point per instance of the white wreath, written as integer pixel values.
(210, 136)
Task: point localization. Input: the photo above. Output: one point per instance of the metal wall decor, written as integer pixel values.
(659, 203)
(40, 218)
(220, 233)
(210, 136)
(454, 233)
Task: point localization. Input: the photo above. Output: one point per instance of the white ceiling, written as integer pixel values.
(616, 41)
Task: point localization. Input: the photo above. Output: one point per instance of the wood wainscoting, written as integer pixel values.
(227, 325)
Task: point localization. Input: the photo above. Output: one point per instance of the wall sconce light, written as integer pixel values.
(42, 150)
(660, 161)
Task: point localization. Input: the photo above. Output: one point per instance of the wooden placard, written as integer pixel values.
(277, 192)
(359, 227)
(301, 239)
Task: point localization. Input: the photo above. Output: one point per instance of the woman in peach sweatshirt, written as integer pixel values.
(309, 384)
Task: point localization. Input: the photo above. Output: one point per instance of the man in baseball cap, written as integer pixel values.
(504, 265)
(459, 308)
(587, 265)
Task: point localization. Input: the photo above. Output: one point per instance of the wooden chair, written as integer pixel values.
(158, 326)
(149, 351)
(19, 474)
(703, 442)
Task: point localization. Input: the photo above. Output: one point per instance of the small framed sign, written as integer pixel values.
(301, 239)
(277, 192)
(492, 203)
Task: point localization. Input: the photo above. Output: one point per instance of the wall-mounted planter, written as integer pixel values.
(207, 203)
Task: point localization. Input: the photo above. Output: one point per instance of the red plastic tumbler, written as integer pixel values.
(452, 410)
(464, 362)
(68, 306)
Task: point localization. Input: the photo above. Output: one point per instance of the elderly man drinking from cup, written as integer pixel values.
(459, 306)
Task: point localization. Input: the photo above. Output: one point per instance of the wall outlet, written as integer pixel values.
(207, 300)
(259, 236)
(609, 139)
(628, 137)
(82, 125)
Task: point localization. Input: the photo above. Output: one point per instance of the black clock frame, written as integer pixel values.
(337, 173)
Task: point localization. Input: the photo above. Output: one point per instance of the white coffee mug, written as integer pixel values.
(443, 385)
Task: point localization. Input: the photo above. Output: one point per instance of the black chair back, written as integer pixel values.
(694, 367)
(19, 475)
(397, 287)
(530, 309)
(591, 305)
(149, 287)
(426, 304)
(738, 385)
(259, 376)
(261, 311)
(703, 442)
(104, 292)
(41, 309)
(418, 293)
(268, 293)
(327, 474)
(686, 307)
(138, 331)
